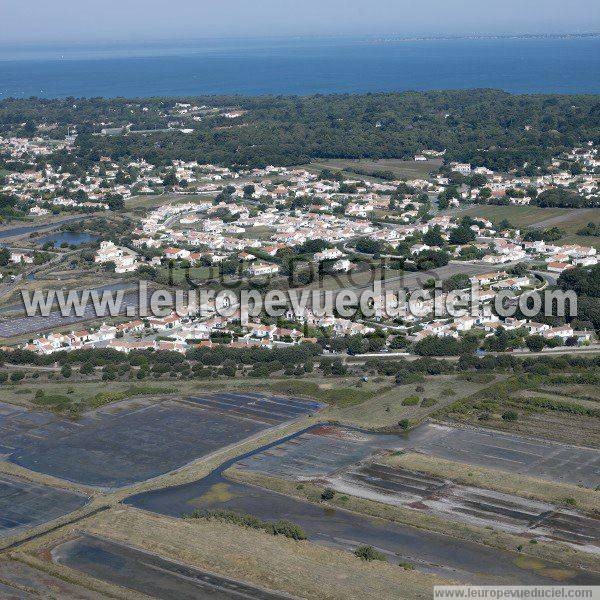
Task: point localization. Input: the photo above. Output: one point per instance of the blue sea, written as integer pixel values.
(301, 66)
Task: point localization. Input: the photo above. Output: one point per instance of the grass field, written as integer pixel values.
(562, 417)
(569, 220)
(386, 408)
(338, 391)
(154, 200)
(274, 562)
(520, 216)
(73, 399)
(402, 169)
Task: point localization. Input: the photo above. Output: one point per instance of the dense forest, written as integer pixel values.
(485, 127)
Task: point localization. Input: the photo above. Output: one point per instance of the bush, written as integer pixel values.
(288, 529)
(403, 377)
(510, 415)
(282, 527)
(17, 376)
(404, 424)
(535, 343)
(428, 402)
(410, 401)
(328, 494)
(369, 553)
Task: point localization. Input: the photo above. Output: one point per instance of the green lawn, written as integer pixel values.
(402, 169)
(569, 220)
(517, 215)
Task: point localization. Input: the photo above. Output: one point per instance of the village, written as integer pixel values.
(249, 223)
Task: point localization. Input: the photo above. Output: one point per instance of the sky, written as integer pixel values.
(40, 21)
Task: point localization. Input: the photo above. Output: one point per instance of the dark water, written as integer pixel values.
(67, 237)
(302, 67)
(25, 229)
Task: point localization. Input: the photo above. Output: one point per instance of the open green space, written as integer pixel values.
(402, 169)
(542, 407)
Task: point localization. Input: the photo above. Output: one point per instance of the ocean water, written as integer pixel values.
(302, 66)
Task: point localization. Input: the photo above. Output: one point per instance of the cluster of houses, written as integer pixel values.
(124, 259)
(174, 332)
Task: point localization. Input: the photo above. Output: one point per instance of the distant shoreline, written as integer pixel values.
(501, 36)
(390, 37)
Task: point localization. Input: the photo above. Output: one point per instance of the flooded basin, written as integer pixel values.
(428, 552)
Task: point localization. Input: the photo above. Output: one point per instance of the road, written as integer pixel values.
(8, 288)
(25, 229)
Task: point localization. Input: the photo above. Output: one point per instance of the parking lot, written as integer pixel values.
(21, 325)
(24, 504)
(135, 440)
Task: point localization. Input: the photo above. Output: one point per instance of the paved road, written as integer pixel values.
(8, 288)
(25, 229)
(150, 574)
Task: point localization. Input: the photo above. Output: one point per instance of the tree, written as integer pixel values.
(564, 198)
(170, 179)
(462, 235)
(433, 237)
(87, 368)
(369, 246)
(478, 180)
(437, 346)
(535, 343)
(443, 202)
(4, 257)
(357, 344)
(66, 371)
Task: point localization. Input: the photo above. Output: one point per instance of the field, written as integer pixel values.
(569, 220)
(148, 573)
(563, 412)
(153, 200)
(276, 563)
(22, 581)
(430, 551)
(501, 481)
(347, 461)
(509, 452)
(387, 408)
(321, 451)
(567, 559)
(338, 391)
(402, 169)
(36, 504)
